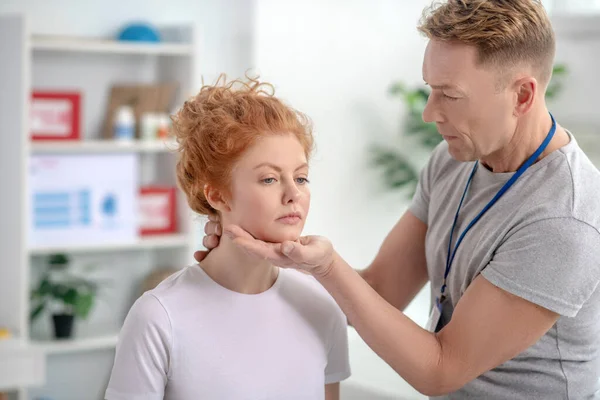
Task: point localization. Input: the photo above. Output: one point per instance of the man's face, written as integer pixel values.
(471, 112)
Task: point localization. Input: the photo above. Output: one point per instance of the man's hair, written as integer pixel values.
(215, 128)
(506, 33)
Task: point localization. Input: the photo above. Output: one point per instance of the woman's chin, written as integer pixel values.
(280, 234)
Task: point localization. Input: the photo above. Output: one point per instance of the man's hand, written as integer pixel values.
(313, 254)
(212, 230)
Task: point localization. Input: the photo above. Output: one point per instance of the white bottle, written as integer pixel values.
(149, 126)
(124, 124)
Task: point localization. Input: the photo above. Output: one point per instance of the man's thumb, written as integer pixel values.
(287, 248)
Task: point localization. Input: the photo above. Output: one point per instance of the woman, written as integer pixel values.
(236, 326)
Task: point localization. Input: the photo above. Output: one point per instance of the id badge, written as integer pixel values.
(434, 317)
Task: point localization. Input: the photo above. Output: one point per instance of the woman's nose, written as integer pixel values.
(292, 194)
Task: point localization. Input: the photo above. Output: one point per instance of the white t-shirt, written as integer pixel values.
(192, 339)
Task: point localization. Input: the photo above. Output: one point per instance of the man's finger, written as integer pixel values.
(259, 249)
(200, 255)
(210, 241)
(296, 252)
(305, 240)
(307, 251)
(212, 228)
(213, 217)
(234, 232)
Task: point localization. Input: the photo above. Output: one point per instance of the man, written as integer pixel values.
(505, 225)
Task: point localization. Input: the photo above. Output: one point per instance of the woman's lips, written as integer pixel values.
(289, 220)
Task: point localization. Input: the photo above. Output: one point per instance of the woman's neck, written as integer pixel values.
(237, 270)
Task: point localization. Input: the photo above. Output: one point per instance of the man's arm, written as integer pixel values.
(399, 270)
(332, 391)
(489, 326)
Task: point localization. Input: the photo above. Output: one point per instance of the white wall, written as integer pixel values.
(224, 25)
(334, 60)
(576, 107)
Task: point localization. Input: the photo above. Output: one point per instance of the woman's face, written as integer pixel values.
(270, 196)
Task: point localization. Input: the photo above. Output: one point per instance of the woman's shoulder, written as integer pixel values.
(183, 286)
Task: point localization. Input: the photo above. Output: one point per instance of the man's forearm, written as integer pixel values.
(411, 351)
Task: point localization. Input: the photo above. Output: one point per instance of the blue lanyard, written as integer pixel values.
(502, 190)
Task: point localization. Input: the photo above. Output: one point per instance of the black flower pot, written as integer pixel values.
(63, 325)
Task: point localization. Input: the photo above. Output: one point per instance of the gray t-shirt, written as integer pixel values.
(541, 242)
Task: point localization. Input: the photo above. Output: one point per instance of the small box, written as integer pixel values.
(55, 115)
(158, 214)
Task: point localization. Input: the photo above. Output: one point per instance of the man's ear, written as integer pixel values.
(526, 93)
(215, 198)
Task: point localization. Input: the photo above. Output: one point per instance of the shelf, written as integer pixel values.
(11, 344)
(150, 242)
(65, 346)
(102, 146)
(84, 45)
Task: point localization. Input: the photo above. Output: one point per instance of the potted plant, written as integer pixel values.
(72, 295)
(398, 167)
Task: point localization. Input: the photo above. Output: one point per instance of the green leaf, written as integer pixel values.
(559, 69)
(397, 88)
(70, 296)
(84, 304)
(58, 261)
(37, 311)
(423, 93)
(44, 289)
(396, 170)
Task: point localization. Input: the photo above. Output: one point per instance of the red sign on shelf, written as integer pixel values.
(157, 210)
(55, 115)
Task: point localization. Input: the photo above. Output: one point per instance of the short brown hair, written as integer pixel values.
(506, 33)
(214, 129)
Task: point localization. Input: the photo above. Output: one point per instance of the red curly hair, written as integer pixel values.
(214, 129)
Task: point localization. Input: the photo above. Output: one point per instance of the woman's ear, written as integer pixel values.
(215, 198)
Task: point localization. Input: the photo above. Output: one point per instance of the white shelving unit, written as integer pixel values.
(38, 364)
(84, 45)
(48, 347)
(102, 146)
(167, 241)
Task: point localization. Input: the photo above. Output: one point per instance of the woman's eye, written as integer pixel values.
(268, 181)
(302, 181)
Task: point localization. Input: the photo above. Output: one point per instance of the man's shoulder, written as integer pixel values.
(581, 185)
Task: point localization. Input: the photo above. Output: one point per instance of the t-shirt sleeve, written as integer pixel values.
(141, 365)
(338, 363)
(554, 263)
